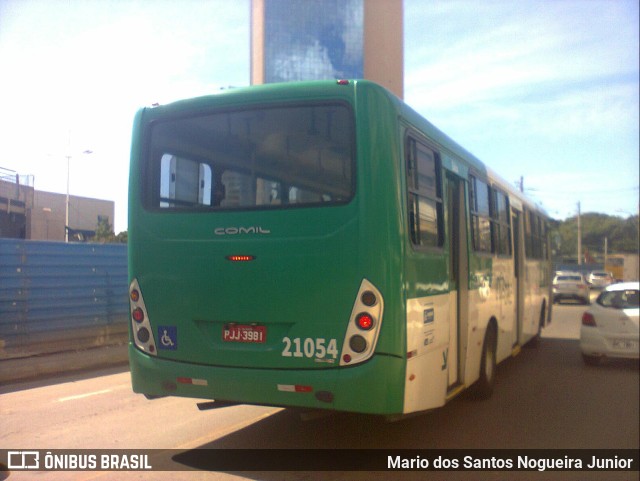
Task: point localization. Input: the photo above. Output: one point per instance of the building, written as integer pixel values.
(26, 213)
(16, 200)
(327, 39)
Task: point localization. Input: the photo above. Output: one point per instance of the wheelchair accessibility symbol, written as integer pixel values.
(168, 336)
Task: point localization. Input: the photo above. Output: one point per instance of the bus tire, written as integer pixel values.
(484, 386)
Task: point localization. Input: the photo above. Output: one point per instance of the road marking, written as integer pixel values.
(82, 396)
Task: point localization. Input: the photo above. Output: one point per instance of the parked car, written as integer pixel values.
(610, 326)
(570, 285)
(600, 279)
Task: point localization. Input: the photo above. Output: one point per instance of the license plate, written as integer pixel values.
(244, 333)
(624, 344)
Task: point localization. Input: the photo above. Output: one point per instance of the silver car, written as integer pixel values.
(600, 279)
(570, 285)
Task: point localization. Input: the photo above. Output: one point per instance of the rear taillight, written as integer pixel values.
(364, 321)
(588, 319)
(364, 325)
(140, 326)
(137, 314)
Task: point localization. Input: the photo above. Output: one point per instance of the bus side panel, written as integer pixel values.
(477, 330)
(428, 344)
(492, 297)
(538, 280)
(134, 185)
(380, 250)
(502, 300)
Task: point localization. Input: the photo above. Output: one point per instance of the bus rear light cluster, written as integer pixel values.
(140, 325)
(364, 325)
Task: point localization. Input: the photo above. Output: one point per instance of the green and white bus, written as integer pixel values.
(321, 245)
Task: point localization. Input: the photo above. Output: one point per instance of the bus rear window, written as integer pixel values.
(261, 158)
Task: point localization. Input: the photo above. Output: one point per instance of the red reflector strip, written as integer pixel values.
(190, 380)
(294, 388)
(240, 258)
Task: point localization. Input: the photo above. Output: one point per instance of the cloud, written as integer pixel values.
(548, 90)
(559, 61)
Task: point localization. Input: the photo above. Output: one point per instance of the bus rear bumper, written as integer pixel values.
(374, 387)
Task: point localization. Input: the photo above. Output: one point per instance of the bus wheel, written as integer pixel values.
(484, 386)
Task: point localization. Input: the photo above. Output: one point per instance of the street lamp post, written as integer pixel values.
(579, 238)
(66, 209)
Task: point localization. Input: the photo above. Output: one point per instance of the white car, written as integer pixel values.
(600, 279)
(570, 285)
(610, 326)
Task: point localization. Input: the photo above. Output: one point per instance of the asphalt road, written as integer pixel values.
(545, 398)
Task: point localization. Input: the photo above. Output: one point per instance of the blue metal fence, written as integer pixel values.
(56, 296)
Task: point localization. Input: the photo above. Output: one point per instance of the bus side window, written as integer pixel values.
(480, 215)
(424, 195)
(413, 228)
(500, 225)
(535, 236)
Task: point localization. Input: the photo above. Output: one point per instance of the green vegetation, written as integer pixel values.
(106, 235)
(621, 235)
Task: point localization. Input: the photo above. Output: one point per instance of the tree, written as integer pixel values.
(621, 234)
(105, 233)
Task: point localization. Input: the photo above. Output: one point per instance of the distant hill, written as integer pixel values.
(621, 235)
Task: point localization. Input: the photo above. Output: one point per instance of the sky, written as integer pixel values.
(543, 90)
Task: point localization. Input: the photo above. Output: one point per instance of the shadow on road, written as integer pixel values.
(545, 398)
